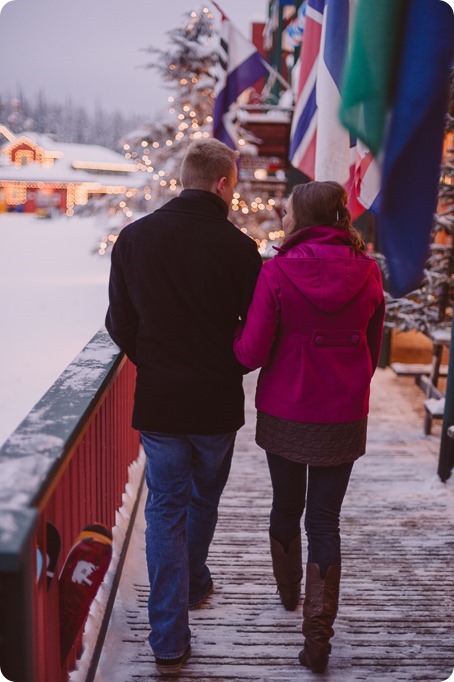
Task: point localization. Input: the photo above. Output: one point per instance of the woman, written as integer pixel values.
(315, 327)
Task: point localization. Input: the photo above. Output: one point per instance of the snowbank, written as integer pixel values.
(53, 299)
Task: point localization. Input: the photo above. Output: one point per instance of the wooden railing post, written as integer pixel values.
(17, 605)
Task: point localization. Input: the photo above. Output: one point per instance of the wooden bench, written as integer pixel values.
(427, 377)
(416, 369)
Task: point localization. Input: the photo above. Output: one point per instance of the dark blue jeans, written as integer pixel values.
(319, 490)
(185, 476)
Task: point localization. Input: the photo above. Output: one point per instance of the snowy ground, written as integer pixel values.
(53, 299)
(396, 613)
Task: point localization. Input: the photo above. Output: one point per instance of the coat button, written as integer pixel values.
(319, 340)
(355, 338)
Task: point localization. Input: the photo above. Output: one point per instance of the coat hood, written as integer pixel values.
(321, 264)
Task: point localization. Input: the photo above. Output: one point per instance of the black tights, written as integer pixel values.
(326, 488)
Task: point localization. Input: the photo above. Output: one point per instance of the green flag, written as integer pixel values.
(371, 69)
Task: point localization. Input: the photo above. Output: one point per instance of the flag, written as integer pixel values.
(332, 157)
(293, 34)
(405, 126)
(240, 67)
(369, 73)
(303, 132)
(270, 27)
(319, 145)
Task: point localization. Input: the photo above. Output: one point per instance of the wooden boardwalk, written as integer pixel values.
(396, 616)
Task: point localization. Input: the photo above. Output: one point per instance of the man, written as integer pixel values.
(180, 279)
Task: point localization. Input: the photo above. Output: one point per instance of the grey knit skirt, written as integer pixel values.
(309, 443)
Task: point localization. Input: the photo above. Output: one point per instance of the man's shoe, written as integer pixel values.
(198, 603)
(171, 666)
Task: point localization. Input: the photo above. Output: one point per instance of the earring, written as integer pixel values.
(337, 216)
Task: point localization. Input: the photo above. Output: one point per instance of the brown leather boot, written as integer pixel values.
(319, 613)
(288, 571)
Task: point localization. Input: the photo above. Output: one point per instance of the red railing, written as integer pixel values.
(84, 484)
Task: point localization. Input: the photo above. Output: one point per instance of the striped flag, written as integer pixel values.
(303, 133)
(319, 145)
(240, 67)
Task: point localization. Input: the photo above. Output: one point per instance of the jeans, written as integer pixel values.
(185, 475)
(326, 488)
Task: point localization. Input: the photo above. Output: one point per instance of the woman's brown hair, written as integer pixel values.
(323, 203)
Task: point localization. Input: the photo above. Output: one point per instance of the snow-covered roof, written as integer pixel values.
(90, 153)
(72, 164)
(260, 116)
(63, 172)
(44, 141)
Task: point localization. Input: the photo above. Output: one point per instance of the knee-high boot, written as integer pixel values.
(288, 571)
(319, 613)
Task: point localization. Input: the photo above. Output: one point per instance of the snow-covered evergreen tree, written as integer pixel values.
(430, 307)
(189, 68)
(66, 122)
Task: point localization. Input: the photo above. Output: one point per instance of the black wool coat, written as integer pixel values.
(180, 279)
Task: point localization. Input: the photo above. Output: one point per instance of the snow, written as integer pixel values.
(69, 154)
(274, 115)
(61, 172)
(441, 335)
(89, 365)
(79, 152)
(397, 541)
(53, 299)
(436, 406)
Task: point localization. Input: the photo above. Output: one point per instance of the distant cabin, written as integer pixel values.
(37, 173)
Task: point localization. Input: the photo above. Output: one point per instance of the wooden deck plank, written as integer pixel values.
(396, 612)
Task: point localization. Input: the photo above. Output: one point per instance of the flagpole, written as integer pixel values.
(277, 52)
(446, 457)
(224, 15)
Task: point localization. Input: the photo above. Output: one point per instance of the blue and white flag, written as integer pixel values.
(241, 66)
(319, 145)
(293, 34)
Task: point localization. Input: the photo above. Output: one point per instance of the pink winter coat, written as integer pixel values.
(315, 327)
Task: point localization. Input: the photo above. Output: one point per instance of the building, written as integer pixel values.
(38, 174)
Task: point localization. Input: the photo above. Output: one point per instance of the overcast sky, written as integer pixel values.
(90, 49)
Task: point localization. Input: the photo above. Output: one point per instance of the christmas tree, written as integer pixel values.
(429, 308)
(189, 69)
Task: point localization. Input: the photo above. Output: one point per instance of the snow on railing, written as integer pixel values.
(68, 464)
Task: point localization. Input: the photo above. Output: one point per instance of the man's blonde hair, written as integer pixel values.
(205, 162)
